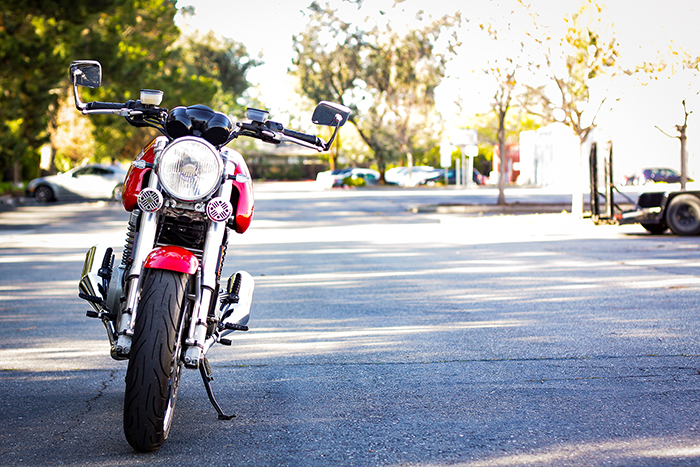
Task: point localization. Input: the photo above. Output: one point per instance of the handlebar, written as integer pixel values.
(134, 112)
(311, 139)
(269, 132)
(273, 132)
(104, 106)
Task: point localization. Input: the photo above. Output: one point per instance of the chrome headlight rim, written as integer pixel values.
(198, 148)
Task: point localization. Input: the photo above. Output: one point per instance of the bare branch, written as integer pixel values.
(662, 131)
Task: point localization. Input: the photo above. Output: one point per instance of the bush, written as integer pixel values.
(9, 188)
(354, 181)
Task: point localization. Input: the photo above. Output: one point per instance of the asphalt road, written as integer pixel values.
(379, 337)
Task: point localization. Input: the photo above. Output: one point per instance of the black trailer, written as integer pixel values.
(663, 210)
(656, 211)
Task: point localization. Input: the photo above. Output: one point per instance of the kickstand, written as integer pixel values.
(207, 376)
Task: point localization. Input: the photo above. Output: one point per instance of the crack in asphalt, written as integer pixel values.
(88, 405)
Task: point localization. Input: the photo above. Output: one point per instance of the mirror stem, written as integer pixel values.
(335, 132)
(80, 105)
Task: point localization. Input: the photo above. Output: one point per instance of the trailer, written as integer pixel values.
(659, 211)
(656, 211)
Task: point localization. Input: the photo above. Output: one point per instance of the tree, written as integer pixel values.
(502, 68)
(690, 65)
(488, 126)
(36, 39)
(682, 137)
(387, 79)
(587, 54)
(139, 46)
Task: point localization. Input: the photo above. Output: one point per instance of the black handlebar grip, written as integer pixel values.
(104, 106)
(304, 137)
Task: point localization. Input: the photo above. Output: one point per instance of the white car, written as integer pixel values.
(334, 178)
(94, 181)
(401, 176)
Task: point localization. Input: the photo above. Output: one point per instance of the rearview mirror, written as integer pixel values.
(330, 114)
(87, 73)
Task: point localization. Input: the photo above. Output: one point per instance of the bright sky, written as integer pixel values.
(645, 29)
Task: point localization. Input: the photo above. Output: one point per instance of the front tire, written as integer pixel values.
(683, 215)
(117, 193)
(44, 194)
(155, 367)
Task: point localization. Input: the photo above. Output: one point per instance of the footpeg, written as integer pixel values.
(235, 327)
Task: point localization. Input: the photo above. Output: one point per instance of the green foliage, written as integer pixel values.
(354, 181)
(138, 45)
(12, 189)
(586, 51)
(36, 42)
(516, 121)
(267, 171)
(387, 79)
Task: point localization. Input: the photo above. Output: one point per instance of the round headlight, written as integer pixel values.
(190, 169)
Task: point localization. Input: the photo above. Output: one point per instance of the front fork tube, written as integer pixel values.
(143, 244)
(211, 257)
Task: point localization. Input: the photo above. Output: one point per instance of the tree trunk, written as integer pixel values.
(577, 186)
(16, 172)
(502, 156)
(684, 157)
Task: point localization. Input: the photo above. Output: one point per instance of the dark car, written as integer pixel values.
(439, 176)
(358, 177)
(654, 175)
(94, 181)
(337, 178)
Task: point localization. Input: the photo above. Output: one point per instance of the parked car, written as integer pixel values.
(439, 176)
(401, 176)
(95, 181)
(351, 178)
(335, 178)
(654, 175)
(327, 179)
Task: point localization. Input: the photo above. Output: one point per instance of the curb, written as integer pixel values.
(514, 208)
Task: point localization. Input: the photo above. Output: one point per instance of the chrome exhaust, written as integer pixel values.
(100, 286)
(94, 280)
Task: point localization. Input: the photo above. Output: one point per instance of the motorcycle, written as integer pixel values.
(163, 305)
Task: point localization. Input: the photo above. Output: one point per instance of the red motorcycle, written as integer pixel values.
(163, 305)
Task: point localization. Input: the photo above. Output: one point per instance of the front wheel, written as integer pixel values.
(44, 194)
(117, 193)
(683, 215)
(155, 367)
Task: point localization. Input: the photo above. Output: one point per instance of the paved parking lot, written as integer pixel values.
(379, 336)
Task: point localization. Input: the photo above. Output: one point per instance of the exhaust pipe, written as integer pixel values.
(100, 286)
(235, 310)
(95, 278)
